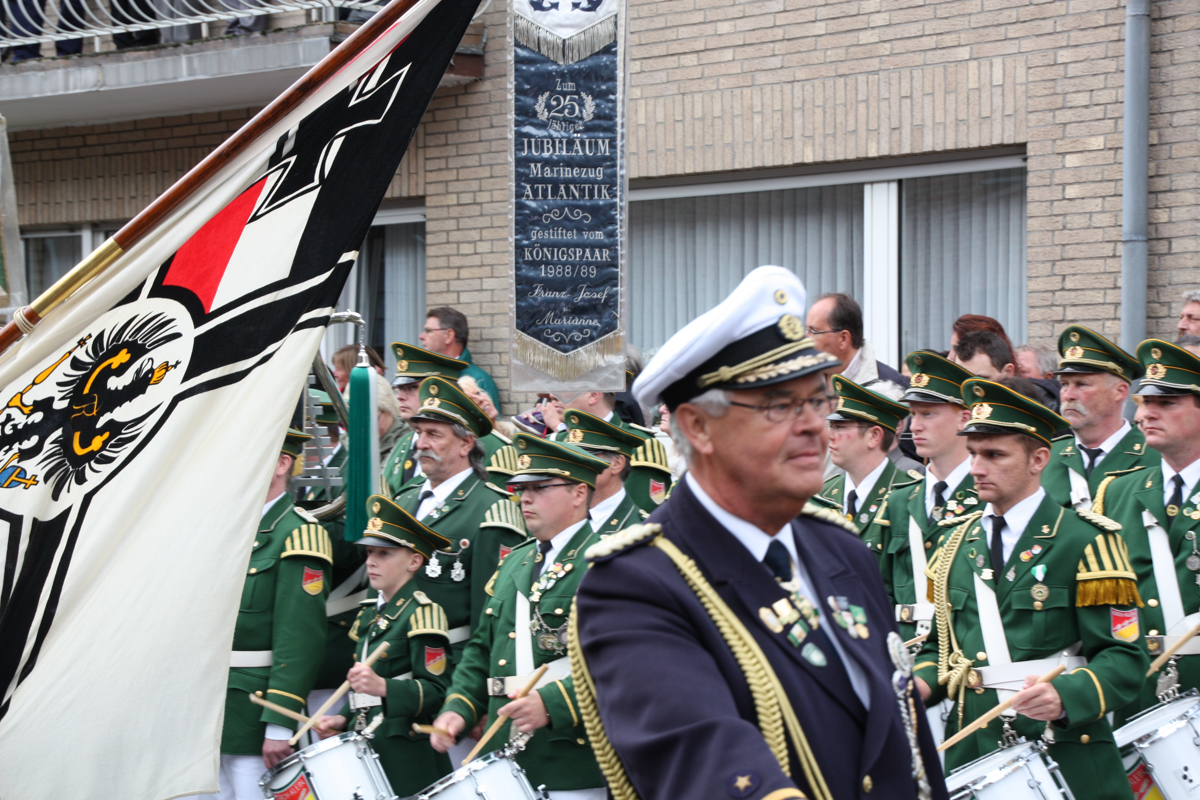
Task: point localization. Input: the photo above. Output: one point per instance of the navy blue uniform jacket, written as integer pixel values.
(677, 708)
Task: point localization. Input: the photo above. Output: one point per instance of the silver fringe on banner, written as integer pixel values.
(568, 50)
(568, 366)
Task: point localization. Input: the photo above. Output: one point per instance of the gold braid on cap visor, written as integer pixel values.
(763, 367)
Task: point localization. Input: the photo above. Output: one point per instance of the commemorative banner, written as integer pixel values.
(567, 85)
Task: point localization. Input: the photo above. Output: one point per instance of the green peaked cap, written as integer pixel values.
(539, 459)
(293, 442)
(998, 409)
(857, 404)
(389, 525)
(1169, 368)
(414, 364)
(443, 401)
(1083, 350)
(592, 433)
(935, 379)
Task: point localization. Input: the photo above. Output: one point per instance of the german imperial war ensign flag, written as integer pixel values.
(141, 421)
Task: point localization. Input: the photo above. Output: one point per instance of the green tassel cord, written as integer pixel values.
(364, 443)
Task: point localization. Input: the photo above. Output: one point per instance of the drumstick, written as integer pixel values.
(278, 709)
(432, 729)
(537, 676)
(995, 712)
(916, 640)
(1157, 664)
(341, 690)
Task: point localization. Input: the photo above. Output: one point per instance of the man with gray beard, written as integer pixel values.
(1096, 376)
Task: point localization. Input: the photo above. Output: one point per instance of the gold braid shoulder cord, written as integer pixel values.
(953, 666)
(770, 700)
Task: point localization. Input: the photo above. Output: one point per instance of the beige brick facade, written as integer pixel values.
(718, 86)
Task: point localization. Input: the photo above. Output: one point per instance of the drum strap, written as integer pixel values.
(992, 627)
(1175, 622)
(524, 641)
(921, 612)
(1081, 493)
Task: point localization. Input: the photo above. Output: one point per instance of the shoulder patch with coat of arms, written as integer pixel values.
(313, 581)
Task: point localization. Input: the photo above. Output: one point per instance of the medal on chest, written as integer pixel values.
(549, 639)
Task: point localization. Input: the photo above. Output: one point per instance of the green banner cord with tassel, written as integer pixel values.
(362, 473)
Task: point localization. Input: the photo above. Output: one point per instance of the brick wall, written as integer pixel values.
(719, 86)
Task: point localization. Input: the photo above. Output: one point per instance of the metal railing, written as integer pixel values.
(31, 22)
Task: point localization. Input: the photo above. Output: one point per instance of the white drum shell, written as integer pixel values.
(495, 776)
(1020, 772)
(1167, 739)
(334, 769)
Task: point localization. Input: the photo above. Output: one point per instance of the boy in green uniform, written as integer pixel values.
(862, 429)
(280, 633)
(413, 365)
(1095, 376)
(453, 498)
(1159, 511)
(909, 518)
(1022, 586)
(409, 682)
(612, 509)
(525, 626)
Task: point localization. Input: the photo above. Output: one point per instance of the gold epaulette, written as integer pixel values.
(622, 540)
(1099, 520)
(309, 539)
(916, 476)
(304, 514)
(651, 454)
(422, 598)
(1105, 576)
(974, 515)
(504, 514)
(824, 514)
(504, 461)
(1102, 489)
(428, 619)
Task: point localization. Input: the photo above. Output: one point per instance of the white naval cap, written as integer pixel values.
(755, 337)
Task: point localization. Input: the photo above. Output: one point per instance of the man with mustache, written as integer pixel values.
(1096, 376)
(741, 642)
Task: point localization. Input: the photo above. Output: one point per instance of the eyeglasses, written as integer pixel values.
(534, 491)
(784, 411)
(433, 330)
(814, 332)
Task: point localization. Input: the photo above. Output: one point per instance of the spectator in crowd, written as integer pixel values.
(627, 407)
(985, 354)
(446, 332)
(1189, 342)
(344, 359)
(968, 323)
(1036, 361)
(28, 19)
(1189, 318)
(835, 323)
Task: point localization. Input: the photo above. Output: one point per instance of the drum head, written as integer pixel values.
(1152, 719)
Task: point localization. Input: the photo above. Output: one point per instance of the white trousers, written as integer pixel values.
(238, 778)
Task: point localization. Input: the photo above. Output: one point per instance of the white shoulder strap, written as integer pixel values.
(1081, 495)
(1163, 560)
(524, 641)
(992, 627)
(916, 544)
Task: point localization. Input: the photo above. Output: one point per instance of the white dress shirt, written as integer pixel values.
(1015, 521)
(862, 492)
(559, 542)
(440, 492)
(956, 477)
(1107, 446)
(756, 540)
(603, 510)
(1191, 475)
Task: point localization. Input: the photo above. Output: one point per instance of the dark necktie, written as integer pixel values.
(421, 498)
(1176, 496)
(1093, 453)
(997, 546)
(851, 508)
(543, 553)
(778, 561)
(939, 495)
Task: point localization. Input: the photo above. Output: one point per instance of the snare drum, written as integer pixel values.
(496, 776)
(1020, 772)
(341, 767)
(1161, 748)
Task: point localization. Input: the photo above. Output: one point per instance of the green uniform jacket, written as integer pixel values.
(625, 514)
(399, 467)
(901, 506)
(472, 555)
(1037, 629)
(1125, 499)
(872, 534)
(282, 610)
(1065, 458)
(417, 668)
(558, 756)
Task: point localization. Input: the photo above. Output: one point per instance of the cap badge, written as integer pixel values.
(521, 443)
(433, 389)
(918, 360)
(374, 524)
(841, 404)
(432, 402)
(1074, 352)
(523, 462)
(401, 366)
(780, 296)
(1155, 353)
(981, 411)
(920, 380)
(1156, 372)
(375, 507)
(575, 436)
(978, 390)
(1074, 337)
(574, 420)
(791, 327)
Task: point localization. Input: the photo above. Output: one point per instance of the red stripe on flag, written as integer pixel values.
(200, 264)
